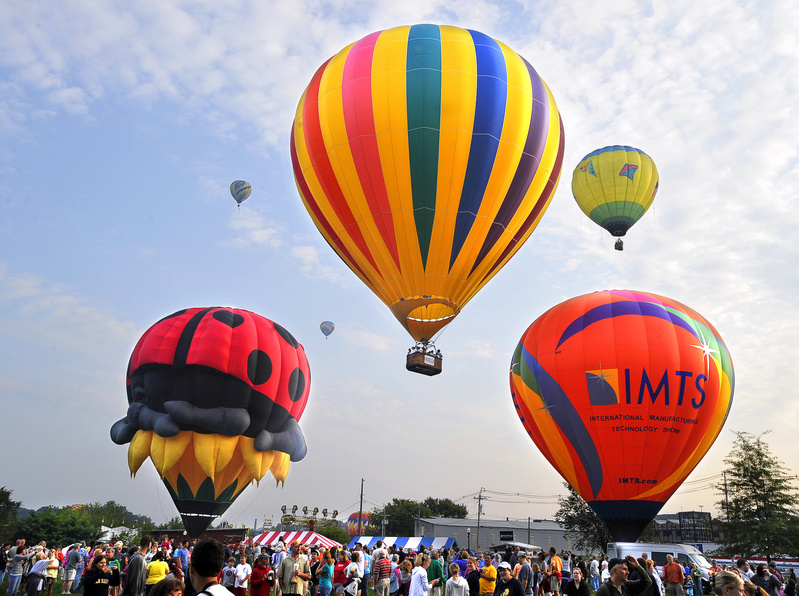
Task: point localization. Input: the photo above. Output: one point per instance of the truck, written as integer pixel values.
(682, 553)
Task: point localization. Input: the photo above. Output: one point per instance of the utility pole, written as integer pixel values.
(360, 513)
(479, 498)
(726, 499)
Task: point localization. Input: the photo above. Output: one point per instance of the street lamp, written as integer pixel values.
(468, 538)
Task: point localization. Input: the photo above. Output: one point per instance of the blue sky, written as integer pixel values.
(121, 127)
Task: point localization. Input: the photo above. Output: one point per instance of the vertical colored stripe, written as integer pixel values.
(492, 89)
(356, 90)
(324, 172)
(423, 97)
(537, 136)
(328, 233)
(532, 220)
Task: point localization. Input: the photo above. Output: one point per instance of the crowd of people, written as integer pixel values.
(183, 568)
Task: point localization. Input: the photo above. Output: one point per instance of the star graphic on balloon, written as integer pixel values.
(707, 351)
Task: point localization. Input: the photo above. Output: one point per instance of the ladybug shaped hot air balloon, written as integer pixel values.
(215, 396)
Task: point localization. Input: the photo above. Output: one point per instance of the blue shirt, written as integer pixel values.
(183, 554)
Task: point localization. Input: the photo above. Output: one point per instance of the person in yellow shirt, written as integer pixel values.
(156, 571)
(488, 576)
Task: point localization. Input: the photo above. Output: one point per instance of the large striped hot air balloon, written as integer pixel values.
(615, 186)
(426, 156)
(623, 393)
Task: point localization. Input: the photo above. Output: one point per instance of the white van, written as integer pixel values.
(682, 553)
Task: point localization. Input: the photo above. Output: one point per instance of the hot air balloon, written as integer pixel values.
(624, 393)
(215, 396)
(614, 186)
(352, 523)
(240, 191)
(327, 328)
(426, 155)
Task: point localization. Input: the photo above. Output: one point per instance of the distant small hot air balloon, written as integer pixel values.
(327, 328)
(240, 190)
(615, 186)
(426, 155)
(355, 528)
(623, 393)
(214, 400)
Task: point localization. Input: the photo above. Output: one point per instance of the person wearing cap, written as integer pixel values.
(488, 576)
(618, 584)
(525, 574)
(262, 577)
(506, 584)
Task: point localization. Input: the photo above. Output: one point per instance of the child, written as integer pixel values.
(456, 585)
(229, 575)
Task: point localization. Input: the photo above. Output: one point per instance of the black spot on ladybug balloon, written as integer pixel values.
(214, 399)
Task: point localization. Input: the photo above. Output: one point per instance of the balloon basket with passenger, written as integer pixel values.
(424, 358)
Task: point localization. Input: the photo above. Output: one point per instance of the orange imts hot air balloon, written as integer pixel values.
(426, 156)
(624, 393)
(215, 396)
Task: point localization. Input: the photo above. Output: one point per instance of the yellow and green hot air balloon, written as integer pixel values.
(426, 156)
(615, 186)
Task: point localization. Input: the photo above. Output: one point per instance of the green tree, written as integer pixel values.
(8, 515)
(58, 526)
(444, 508)
(582, 526)
(757, 502)
(334, 533)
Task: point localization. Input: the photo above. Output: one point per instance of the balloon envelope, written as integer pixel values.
(214, 399)
(426, 155)
(240, 190)
(327, 327)
(624, 393)
(352, 523)
(615, 186)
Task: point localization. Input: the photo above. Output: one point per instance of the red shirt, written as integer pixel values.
(339, 576)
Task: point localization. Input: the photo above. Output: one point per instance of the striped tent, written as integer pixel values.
(413, 542)
(305, 538)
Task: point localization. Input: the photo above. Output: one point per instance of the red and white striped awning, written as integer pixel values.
(306, 538)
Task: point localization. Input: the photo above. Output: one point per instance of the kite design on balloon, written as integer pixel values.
(426, 156)
(215, 396)
(628, 170)
(623, 393)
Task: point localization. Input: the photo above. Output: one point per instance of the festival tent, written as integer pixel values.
(306, 538)
(412, 542)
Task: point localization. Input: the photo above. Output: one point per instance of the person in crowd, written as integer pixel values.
(658, 588)
(524, 573)
(673, 577)
(324, 574)
(536, 579)
(381, 572)
(36, 575)
(156, 571)
(436, 571)
(294, 571)
(472, 576)
(593, 568)
(263, 578)
(456, 585)
(576, 586)
(618, 584)
(727, 583)
(488, 576)
(744, 569)
(243, 573)
(393, 584)
(53, 566)
(340, 570)
(97, 577)
(764, 579)
(405, 571)
(696, 577)
(169, 586)
(229, 575)
(207, 560)
(136, 574)
(419, 584)
(506, 584)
